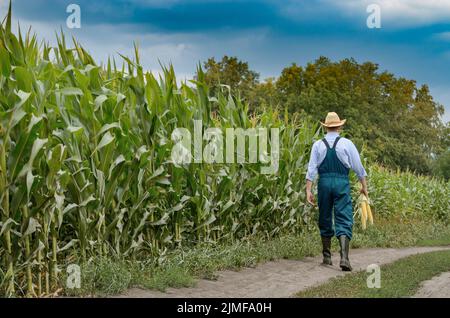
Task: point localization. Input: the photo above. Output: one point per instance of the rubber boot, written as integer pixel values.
(326, 250)
(344, 242)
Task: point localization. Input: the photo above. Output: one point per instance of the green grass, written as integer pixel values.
(439, 241)
(399, 279)
(181, 267)
(402, 232)
(104, 277)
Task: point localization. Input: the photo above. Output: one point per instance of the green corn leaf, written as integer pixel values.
(5, 63)
(90, 199)
(99, 101)
(32, 227)
(37, 146)
(70, 207)
(108, 127)
(17, 115)
(24, 79)
(116, 162)
(33, 121)
(70, 91)
(7, 225)
(29, 180)
(68, 245)
(106, 140)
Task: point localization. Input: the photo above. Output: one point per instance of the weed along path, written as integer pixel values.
(282, 278)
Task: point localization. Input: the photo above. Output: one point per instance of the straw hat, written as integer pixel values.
(333, 120)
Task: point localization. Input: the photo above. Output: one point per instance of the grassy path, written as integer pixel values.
(283, 278)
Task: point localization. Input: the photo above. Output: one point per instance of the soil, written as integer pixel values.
(437, 287)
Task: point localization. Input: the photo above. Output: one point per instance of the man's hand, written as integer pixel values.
(364, 191)
(309, 195)
(310, 198)
(364, 187)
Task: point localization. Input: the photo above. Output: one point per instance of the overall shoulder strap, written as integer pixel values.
(336, 141)
(326, 143)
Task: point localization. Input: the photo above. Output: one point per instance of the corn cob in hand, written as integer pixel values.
(365, 211)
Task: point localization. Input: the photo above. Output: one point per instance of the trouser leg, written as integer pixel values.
(343, 219)
(325, 201)
(343, 211)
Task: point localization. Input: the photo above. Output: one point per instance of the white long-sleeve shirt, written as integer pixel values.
(345, 151)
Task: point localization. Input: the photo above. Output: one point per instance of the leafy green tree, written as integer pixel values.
(264, 95)
(291, 80)
(441, 167)
(232, 72)
(398, 121)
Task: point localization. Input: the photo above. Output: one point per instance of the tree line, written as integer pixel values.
(393, 119)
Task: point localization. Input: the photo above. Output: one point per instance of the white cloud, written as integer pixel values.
(183, 50)
(173, 51)
(400, 13)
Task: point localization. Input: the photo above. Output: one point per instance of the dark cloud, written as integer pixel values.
(195, 15)
(295, 31)
(180, 16)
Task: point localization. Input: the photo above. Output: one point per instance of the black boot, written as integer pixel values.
(326, 250)
(345, 245)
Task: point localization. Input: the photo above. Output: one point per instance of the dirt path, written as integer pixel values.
(281, 278)
(437, 287)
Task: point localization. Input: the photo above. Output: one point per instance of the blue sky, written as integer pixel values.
(414, 39)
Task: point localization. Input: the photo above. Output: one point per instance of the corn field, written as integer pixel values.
(85, 165)
(407, 195)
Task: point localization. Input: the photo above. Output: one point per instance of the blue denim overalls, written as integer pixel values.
(334, 192)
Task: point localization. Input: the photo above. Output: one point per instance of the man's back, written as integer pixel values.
(345, 151)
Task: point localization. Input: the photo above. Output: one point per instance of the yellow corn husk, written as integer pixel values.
(363, 214)
(369, 212)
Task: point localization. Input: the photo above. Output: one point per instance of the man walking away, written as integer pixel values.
(332, 158)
